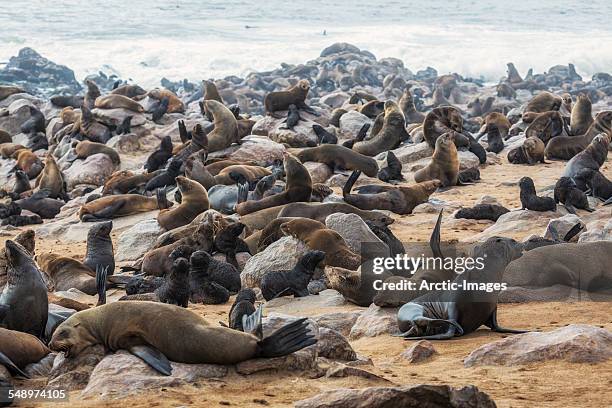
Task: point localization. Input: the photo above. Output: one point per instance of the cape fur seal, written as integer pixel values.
(439, 121)
(339, 158)
(547, 126)
(159, 157)
(52, 179)
(85, 148)
(530, 152)
(544, 102)
(175, 105)
(280, 101)
(293, 282)
(114, 101)
(90, 128)
(125, 181)
(244, 305)
(194, 202)
(593, 157)
(17, 350)
(225, 130)
(392, 133)
(444, 165)
(99, 251)
(530, 200)
(108, 207)
(199, 342)
(406, 104)
(572, 198)
(67, 273)
(581, 118)
(320, 211)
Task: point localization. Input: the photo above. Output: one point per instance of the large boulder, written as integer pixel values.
(114, 117)
(302, 134)
(375, 321)
(518, 224)
(73, 373)
(319, 172)
(357, 235)
(259, 149)
(334, 345)
(94, 170)
(351, 122)
(576, 343)
(17, 113)
(137, 240)
(413, 152)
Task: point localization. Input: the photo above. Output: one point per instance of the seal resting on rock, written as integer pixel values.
(115, 206)
(194, 202)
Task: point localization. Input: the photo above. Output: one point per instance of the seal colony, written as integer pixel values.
(284, 187)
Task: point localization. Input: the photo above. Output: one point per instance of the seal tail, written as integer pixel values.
(348, 186)
(101, 274)
(286, 340)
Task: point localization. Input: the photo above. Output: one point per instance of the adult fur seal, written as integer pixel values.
(131, 91)
(99, 252)
(199, 342)
(90, 128)
(40, 203)
(68, 273)
(406, 104)
(439, 121)
(298, 188)
(293, 282)
(125, 181)
(320, 238)
(27, 240)
(52, 179)
(23, 302)
(8, 90)
(114, 101)
(29, 163)
(175, 105)
(226, 128)
(599, 185)
(530, 152)
(108, 207)
(18, 349)
(392, 133)
(85, 148)
(566, 147)
(529, 199)
(593, 157)
(400, 200)
(339, 158)
(194, 201)
(393, 170)
(581, 118)
(280, 101)
(440, 316)
(544, 102)
(444, 165)
(547, 126)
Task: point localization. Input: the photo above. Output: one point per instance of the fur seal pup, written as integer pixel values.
(225, 130)
(209, 268)
(582, 117)
(125, 126)
(17, 350)
(194, 202)
(482, 212)
(572, 198)
(92, 93)
(444, 165)
(441, 316)
(393, 171)
(131, 91)
(244, 305)
(400, 200)
(596, 182)
(544, 102)
(323, 136)
(199, 342)
(202, 288)
(114, 101)
(469, 175)
(593, 157)
(35, 123)
(159, 157)
(29, 163)
(320, 238)
(40, 203)
(66, 273)
(339, 158)
(530, 200)
(530, 152)
(22, 182)
(293, 118)
(23, 302)
(160, 110)
(547, 126)
(298, 188)
(115, 206)
(392, 133)
(406, 104)
(293, 282)
(176, 290)
(85, 148)
(296, 95)
(99, 252)
(439, 121)
(175, 104)
(92, 129)
(563, 264)
(166, 177)
(52, 179)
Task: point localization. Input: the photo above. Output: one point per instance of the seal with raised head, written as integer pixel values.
(99, 252)
(406, 104)
(200, 342)
(593, 157)
(530, 152)
(530, 200)
(339, 158)
(566, 147)
(280, 101)
(28, 162)
(581, 118)
(40, 203)
(547, 126)
(440, 121)
(175, 104)
(599, 184)
(27, 240)
(225, 131)
(114, 101)
(444, 165)
(91, 94)
(294, 282)
(52, 179)
(159, 157)
(121, 205)
(90, 128)
(392, 133)
(194, 201)
(571, 196)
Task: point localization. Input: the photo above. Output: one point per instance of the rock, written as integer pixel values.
(335, 99)
(599, 230)
(409, 396)
(434, 205)
(413, 152)
(341, 322)
(340, 47)
(259, 149)
(122, 374)
(517, 223)
(316, 286)
(343, 370)
(94, 170)
(114, 117)
(307, 305)
(264, 126)
(73, 373)
(334, 345)
(493, 158)
(136, 241)
(375, 321)
(562, 225)
(351, 122)
(576, 343)
(420, 351)
(487, 199)
(467, 160)
(357, 235)
(319, 172)
(302, 134)
(241, 257)
(128, 143)
(18, 112)
(42, 368)
(281, 255)
(6, 102)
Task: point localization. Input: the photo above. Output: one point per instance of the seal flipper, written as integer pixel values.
(252, 324)
(493, 325)
(286, 340)
(348, 186)
(434, 241)
(153, 357)
(449, 334)
(570, 208)
(608, 201)
(101, 274)
(575, 230)
(5, 361)
(183, 132)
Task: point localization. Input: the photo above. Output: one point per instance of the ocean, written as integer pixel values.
(145, 40)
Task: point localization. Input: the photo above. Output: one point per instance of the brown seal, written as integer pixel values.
(339, 158)
(406, 104)
(90, 128)
(28, 162)
(546, 126)
(280, 101)
(194, 201)
(251, 173)
(298, 187)
(544, 102)
(151, 331)
(121, 205)
(530, 152)
(392, 133)
(92, 93)
(336, 115)
(214, 167)
(68, 116)
(581, 118)
(259, 219)
(226, 128)
(8, 90)
(593, 157)
(211, 92)
(5, 137)
(114, 101)
(52, 179)
(444, 165)
(21, 349)
(27, 240)
(499, 121)
(320, 238)
(131, 91)
(439, 121)
(66, 273)
(7, 150)
(372, 109)
(566, 147)
(271, 233)
(400, 200)
(175, 105)
(124, 181)
(85, 148)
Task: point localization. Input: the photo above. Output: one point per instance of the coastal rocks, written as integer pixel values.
(38, 75)
(335, 346)
(467, 160)
(16, 113)
(319, 172)
(136, 241)
(128, 143)
(342, 370)
(600, 230)
(340, 322)
(576, 343)
(122, 374)
(433, 206)
(517, 224)
(409, 396)
(259, 149)
(420, 351)
(356, 233)
(413, 152)
(335, 99)
(562, 226)
(281, 255)
(326, 300)
(302, 134)
(375, 321)
(93, 170)
(487, 199)
(114, 117)
(351, 122)
(73, 373)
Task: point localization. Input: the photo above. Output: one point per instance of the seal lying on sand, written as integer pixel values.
(158, 332)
